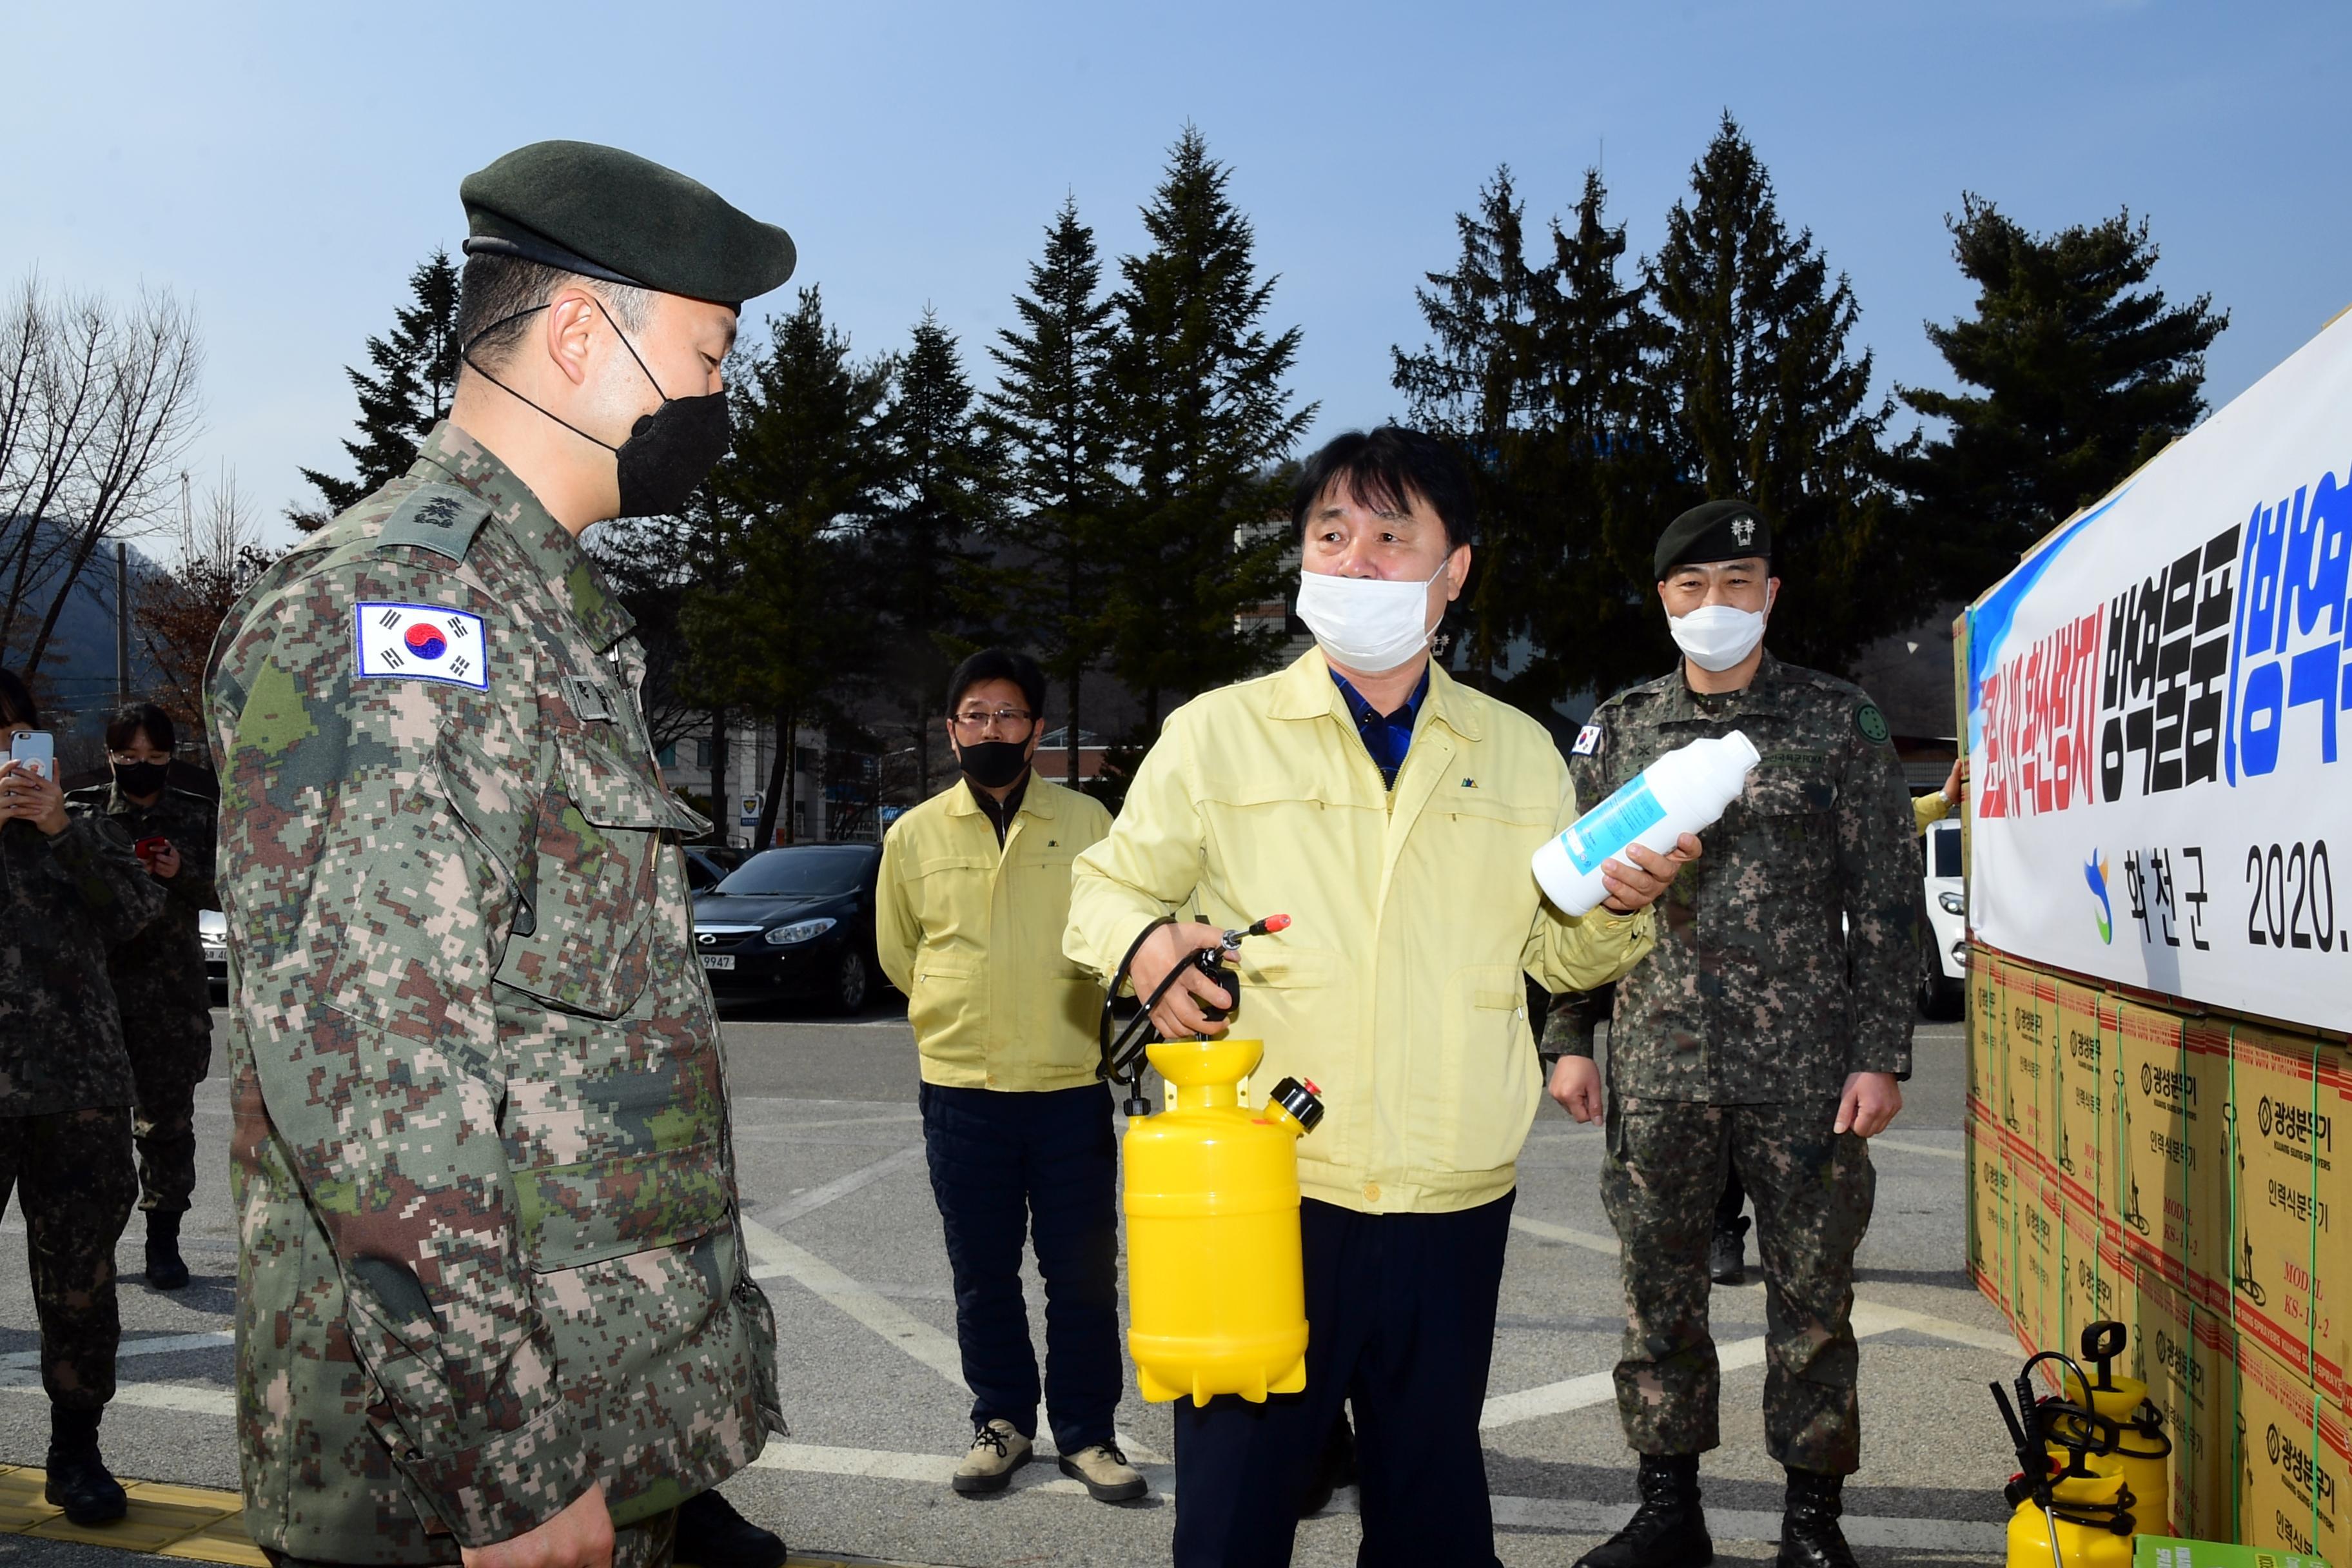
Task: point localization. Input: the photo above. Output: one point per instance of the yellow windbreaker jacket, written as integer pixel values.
(1397, 990)
(972, 935)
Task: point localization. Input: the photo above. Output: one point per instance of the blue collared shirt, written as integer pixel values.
(1387, 736)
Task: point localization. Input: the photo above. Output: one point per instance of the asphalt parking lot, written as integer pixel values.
(847, 1239)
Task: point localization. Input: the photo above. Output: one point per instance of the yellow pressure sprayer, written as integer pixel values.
(2072, 1511)
(1216, 1294)
(2141, 1445)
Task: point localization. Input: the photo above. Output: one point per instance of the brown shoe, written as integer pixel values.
(1104, 1471)
(997, 1450)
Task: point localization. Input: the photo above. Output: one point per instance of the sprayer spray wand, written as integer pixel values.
(1123, 1057)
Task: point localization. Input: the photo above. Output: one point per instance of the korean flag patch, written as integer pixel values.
(421, 642)
(1588, 741)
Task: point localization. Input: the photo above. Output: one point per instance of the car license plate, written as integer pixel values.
(717, 961)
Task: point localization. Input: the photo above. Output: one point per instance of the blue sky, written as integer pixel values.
(284, 166)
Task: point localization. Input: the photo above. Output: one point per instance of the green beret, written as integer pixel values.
(1716, 531)
(610, 214)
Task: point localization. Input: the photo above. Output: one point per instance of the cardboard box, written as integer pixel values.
(2166, 1552)
(2291, 1459)
(2174, 1348)
(2169, 1119)
(2287, 1189)
(2038, 1286)
(2089, 1061)
(1993, 1219)
(1986, 988)
(2098, 1281)
(2029, 1105)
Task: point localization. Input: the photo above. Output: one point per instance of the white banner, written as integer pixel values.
(2160, 716)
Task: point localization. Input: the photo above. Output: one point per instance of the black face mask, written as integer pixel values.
(668, 451)
(140, 780)
(992, 765)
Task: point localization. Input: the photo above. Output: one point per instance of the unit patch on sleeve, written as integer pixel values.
(420, 642)
(1872, 724)
(1588, 741)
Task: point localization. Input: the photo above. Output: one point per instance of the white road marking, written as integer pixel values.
(15, 1364)
(934, 1470)
(194, 1398)
(1599, 1387)
(1904, 1146)
(1510, 1512)
(1606, 1244)
(783, 1259)
(780, 1259)
(839, 1187)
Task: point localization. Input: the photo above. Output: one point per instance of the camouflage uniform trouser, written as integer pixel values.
(71, 1171)
(166, 1065)
(647, 1544)
(1665, 1169)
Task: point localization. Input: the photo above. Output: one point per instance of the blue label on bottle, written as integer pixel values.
(1611, 826)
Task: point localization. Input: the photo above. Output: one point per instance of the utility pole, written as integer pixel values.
(121, 624)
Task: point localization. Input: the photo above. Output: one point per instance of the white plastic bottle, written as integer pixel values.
(1683, 792)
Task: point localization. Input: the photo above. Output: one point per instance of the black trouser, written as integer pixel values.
(1400, 1323)
(1044, 1165)
(71, 1169)
(165, 1068)
(1734, 1198)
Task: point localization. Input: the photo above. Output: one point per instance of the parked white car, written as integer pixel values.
(212, 929)
(1944, 945)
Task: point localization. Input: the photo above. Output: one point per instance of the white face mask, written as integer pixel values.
(1370, 624)
(1717, 637)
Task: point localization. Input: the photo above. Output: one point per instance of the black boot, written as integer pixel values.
(1669, 1530)
(1809, 1536)
(711, 1534)
(79, 1481)
(1726, 1255)
(165, 1271)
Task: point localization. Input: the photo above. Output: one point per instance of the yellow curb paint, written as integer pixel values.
(173, 1521)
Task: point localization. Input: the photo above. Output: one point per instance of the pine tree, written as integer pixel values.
(1206, 418)
(1052, 412)
(1478, 384)
(1606, 470)
(778, 632)
(416, 370)
(1770, 405)
(2088, 373)
(942, 474)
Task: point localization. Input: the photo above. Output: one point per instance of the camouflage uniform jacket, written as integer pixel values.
(159, 974)
(485, 1196)
(63, 901)
(1753, 997)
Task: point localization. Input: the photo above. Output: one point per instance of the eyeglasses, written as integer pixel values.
(976, 721)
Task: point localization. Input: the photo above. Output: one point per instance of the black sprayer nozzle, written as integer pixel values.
(2102, 1342)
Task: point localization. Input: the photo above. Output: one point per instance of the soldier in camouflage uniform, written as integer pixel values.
(1756, 1039)
(159, 975)
(492, 1288)
(69, 887)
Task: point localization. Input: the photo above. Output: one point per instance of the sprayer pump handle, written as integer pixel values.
(2102, 1342)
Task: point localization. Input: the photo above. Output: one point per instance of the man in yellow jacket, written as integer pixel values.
(974, 892)
(1391, 813)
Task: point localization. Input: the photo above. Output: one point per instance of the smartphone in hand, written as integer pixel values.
(35, 750)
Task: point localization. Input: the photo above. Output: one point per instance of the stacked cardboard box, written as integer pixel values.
(2179, 1172)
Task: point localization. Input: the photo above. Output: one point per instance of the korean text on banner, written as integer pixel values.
(2159, 716)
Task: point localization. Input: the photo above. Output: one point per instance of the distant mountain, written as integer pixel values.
(77, 672)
